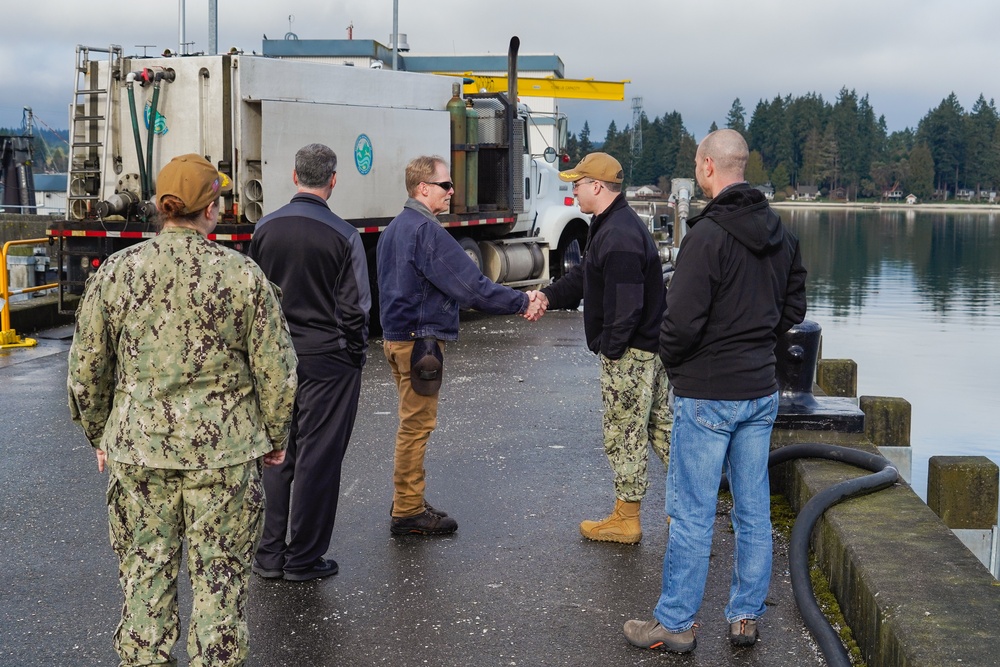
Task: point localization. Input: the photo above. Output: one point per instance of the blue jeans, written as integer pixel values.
(707, 437)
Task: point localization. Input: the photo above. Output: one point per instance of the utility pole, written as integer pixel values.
(636, 134)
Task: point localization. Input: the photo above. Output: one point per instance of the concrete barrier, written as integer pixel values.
(962, 490)
(837, 377)
(912, 593)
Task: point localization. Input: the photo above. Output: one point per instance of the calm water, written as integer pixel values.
(914, 299)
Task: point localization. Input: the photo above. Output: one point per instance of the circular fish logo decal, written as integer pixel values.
(363, 154)
(159, 123)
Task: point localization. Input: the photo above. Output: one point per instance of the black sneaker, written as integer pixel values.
(326, 567)
(266, 573)
(426, 523)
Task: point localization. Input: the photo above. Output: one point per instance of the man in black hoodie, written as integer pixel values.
(621, 284)
(738, 284)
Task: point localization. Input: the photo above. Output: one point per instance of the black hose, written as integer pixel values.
(138, 141)
(885, 475)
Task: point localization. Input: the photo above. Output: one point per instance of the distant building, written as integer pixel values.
(767, 190)
(965, 194)
(892, 194)
(50, 194)
(806, 192)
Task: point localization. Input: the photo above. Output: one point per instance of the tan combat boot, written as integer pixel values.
(622, 526)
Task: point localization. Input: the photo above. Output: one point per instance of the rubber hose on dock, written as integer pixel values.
(884, 475)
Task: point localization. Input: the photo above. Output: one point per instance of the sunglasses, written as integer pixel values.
(444, 185)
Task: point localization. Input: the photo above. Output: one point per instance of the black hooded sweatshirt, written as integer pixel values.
(738, 284)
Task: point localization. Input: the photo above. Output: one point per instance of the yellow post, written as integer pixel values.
(9, 337)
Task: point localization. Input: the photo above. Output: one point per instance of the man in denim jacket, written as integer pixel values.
(424, 278)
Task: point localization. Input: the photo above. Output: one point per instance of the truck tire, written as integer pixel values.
(568, 254)
(471, 249)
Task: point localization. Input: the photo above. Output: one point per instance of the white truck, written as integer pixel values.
(249, 114)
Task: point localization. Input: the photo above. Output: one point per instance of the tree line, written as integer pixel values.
(843, 148)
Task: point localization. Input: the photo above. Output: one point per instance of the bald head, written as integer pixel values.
(721, 160)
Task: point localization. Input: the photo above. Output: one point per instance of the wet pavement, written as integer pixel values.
(516, 459)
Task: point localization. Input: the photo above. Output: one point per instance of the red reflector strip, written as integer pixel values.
(101, 233)
(479, 221)
(454, 223)
(137, 235)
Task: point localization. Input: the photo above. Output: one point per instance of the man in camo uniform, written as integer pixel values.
(182, 375)
(621, 284)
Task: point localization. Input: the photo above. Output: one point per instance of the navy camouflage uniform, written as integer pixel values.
(182, 370)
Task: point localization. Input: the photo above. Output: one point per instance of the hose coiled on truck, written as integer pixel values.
(884, 475)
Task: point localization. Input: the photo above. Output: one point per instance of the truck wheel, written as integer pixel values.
(471, 248)
(568, 254)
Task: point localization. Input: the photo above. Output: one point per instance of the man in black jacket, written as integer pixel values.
(621, 283)
(318, 261)
(738, 284)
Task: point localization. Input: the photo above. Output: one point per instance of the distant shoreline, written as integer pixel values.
(878, 206)
(698, 204)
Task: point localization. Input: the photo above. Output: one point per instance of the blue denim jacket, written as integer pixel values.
(424, 277)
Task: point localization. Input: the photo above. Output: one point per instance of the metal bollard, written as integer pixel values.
(796, 356)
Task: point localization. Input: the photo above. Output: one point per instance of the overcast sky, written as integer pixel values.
(690, 57)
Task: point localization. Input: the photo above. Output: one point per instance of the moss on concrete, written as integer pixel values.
(837, 377)
(910, 591)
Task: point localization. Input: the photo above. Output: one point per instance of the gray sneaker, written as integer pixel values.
(650, 634)
(743, 632)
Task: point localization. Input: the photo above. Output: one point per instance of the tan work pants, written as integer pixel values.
(417, 419)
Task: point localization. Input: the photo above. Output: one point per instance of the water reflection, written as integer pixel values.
(914, 298)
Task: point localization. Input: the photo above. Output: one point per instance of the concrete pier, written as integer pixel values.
(517, 460)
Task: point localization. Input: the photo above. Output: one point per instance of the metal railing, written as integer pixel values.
(9, 337)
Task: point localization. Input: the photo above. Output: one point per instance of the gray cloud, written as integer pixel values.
(694, 58)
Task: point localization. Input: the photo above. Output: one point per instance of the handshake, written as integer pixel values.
(537, 305)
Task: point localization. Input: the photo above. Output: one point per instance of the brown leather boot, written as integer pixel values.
(622, 526)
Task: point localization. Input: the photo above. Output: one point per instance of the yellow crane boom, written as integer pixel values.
(580, 89)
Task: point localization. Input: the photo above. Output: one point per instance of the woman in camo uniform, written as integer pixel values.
(182, 375)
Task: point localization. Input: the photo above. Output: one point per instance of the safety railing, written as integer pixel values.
(9, 337)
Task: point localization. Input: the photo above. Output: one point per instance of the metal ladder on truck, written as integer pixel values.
(90, 132)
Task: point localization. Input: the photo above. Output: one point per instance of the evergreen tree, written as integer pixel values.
(941, 131)
(830, 165)
(812, 158)
(921, 181)
(755, 173)
(995, 162)
(736, 119)
(779, 178)
(585, 145)
(979, 127)
(806, 115)
(573, 151)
